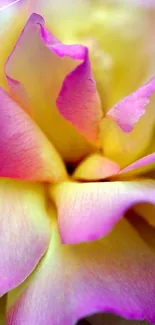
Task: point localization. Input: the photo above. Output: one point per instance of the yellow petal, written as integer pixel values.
(95, 167)
(115, 273)
(25, 230)
(125, 148)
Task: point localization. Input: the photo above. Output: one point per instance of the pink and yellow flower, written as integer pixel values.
(77, 168)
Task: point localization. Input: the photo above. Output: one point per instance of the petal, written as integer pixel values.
(128, 111)
(140, 166)
(63, 19)
(113, 274)
(24, 232)
(95, 167)
(88, 211)
(48, 71)
(25, 152)
(11, 24)
(111, 33)
(79, 103)
(124, 148)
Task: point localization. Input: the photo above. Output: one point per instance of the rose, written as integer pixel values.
(52, 118)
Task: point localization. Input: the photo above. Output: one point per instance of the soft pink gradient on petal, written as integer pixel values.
(125, 148)
(25, 152)
(88, 211)
(39, 71)
(140, 166)
(78, 101)
(96, 167)
(115, 274)
(24, 231)
(128, 111)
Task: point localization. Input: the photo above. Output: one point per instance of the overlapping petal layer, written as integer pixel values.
(78, 101)
(90, 277)
(11, 24)
(24, 231)
(124, 148)
(141, 166)
(124, 135)
(98, 167)
(87, 211)
(51, 71)
(25, 152)
(95, 167)
(128, 111)
(121, 46)
(87, 278)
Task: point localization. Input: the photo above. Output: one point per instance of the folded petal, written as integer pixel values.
(78, 101)
(25, 151)
(24, 231)
(88, 211)
(124, 148)
(49, 71)
(95, 167)
(128, 111)
(113, 274)
(140, 166)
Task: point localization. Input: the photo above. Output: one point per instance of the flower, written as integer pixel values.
(76, 176)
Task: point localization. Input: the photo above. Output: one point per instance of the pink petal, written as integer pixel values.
(25, 152)
(128, 111)
(88, 211)
(140, 166)
(115, 274)
(78, 101)
(42, 71)
(126, 148)
(24, 231)
(96, 167)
